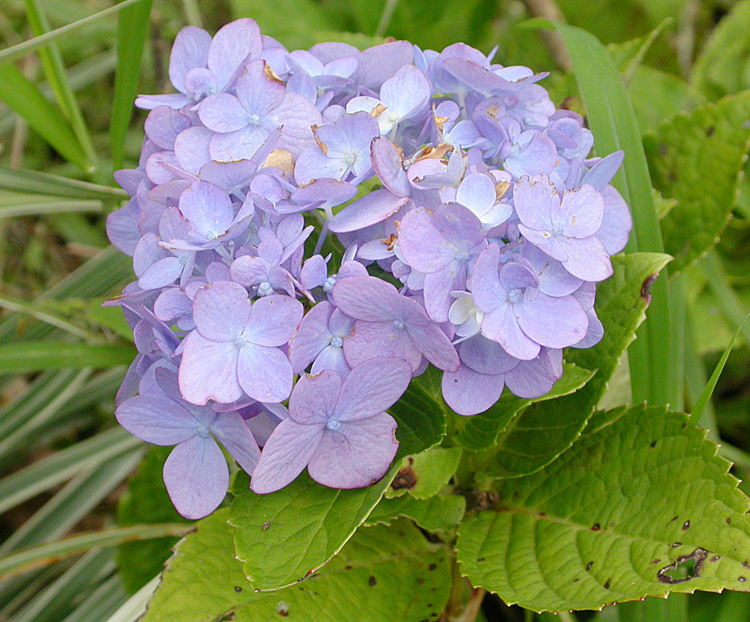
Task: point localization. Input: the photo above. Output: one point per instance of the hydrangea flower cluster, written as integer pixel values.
(347, 218)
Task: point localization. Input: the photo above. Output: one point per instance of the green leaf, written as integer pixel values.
(284, 536)
(712, 138)
(25, 100)
(639, 493)
(440, 513)
(132, 28)
(383, 574)
(722, 67)
(46, 554)
(425, 474)
(293, 22)
(41, 355)
(145, 502)
(656, 96)
(481, 431)
(545, 429)
(629, 56)
(612, 121)
(421, 420)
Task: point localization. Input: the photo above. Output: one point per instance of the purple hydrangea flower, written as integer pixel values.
(338, 430)
(234, 349)
(195, 473)
(564, 229)
(390, 324)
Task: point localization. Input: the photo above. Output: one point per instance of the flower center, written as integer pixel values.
(333, 425)
(203, 431)
(350, 158)
(337, 342)
(557, 230)
(253, 119)
(328, 285)
(265, 289)
(398, 325)
(240, 340)
(515, 295)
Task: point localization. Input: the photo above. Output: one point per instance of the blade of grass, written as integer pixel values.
(57, 77)
(42, 355)
(708, 390)
(13, 304)
(27, 47)
(79, 497)
(97, 277)
(55, 601)
(46, 554)
(727, 298)
(132, 28)
(81, 75)
(30, 426)
(101, 603)
(135, 607)
(62, 465)
(44, 205)
(25, 99)
(612, 121)
(76, 229)
(54, 185)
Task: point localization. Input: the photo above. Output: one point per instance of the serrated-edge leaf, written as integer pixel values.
(640, 492)
(481, 431)
(284, 536)
(383, 574)
(544, 430)
(719, 141)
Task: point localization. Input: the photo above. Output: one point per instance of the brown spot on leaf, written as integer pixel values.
(715, 558)
(596, 527)
(405, 479)
(588, 566)
(237, 589)
(676, 544)
(607, 584)
(686, 525)
(653, 444)
(372, 582)
(729, 520)
(482, 500)
(266, 526)
(656, 561)
(432, 567)
(693, 563)
(741, 579)
(710, 131)
(647, 285)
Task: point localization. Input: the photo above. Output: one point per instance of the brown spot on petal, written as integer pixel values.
(271, 74)
(378, 110)
(280, 159)
(501, 188)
